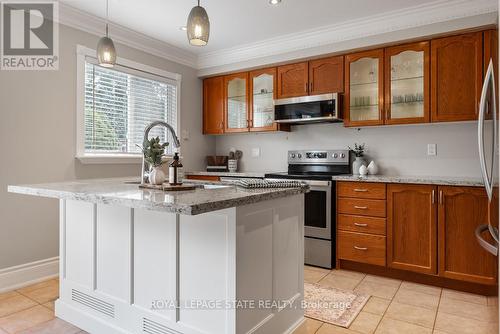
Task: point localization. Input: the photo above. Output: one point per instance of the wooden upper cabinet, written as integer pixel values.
(213, 105)
(461, 210)
(326, 75)
(490, 38)
(293, 80)
(456, 77)
(364, 88)
(412, 227)
(236, 116)
(407, 83)
(262, 95)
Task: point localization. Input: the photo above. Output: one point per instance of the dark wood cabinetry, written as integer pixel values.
(461, 210)
(412, 228)
(213, 105)
(456, 77)
(293, 80)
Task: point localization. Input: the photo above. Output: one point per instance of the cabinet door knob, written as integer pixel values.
(360, 248)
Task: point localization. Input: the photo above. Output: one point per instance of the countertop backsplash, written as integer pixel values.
(397, 150)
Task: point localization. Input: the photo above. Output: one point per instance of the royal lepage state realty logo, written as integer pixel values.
(29, 35)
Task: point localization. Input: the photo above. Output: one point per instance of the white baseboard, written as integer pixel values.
(29, 273)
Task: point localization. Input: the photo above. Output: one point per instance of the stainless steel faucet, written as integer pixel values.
(177, 144)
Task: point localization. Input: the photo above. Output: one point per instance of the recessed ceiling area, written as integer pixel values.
(235, 22)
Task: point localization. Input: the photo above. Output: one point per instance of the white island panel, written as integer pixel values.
(154, 261)
(113, 251)
(125, 269)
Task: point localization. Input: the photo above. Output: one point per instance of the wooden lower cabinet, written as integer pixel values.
(461, 210)
(412, 228)
(428, 230)
(366, 248)
(203, 177)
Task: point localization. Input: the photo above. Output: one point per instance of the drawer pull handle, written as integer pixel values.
(360, 248)
(361, 207)
(361, 225)
(361, 190)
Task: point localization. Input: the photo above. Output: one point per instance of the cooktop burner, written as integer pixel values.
(303, 176)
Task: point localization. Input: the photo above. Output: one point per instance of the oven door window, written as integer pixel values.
(315, 209)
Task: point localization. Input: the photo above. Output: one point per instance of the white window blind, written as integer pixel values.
(120, 103)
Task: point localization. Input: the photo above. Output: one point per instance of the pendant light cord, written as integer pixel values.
(107, 16)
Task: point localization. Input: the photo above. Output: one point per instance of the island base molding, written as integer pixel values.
(128, 270)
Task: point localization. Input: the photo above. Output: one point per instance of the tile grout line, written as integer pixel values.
(437, 310)
(383, 314)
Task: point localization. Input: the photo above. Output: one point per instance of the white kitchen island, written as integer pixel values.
(218, 260)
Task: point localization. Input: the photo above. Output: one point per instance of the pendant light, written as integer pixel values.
(106, 53)
(198, 26)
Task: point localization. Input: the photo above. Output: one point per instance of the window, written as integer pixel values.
(118, 103)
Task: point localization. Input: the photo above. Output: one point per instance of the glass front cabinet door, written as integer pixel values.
(236, 102)
(262, 95)
(407, 83)
(364, 95)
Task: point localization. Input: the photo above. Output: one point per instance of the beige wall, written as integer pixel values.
(37, 144)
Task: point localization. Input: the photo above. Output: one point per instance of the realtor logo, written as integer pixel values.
(29, 35)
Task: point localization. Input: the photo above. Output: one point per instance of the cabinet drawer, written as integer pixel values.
(361, 190)
(360, 247)
(361, 224)
(362, 207)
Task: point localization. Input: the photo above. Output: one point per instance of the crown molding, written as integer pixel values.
(397, 20)
(84, 21)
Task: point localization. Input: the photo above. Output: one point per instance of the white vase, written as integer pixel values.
(372, 168)
(358, 162)
(232, 165)
(156, 176)
(363, 170)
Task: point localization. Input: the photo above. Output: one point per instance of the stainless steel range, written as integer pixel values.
(316, 168)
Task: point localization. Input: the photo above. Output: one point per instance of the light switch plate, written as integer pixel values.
(431, 149)
(255, 152)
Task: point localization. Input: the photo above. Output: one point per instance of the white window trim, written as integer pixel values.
(82, 53)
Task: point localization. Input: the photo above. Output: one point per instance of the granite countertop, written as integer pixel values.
(437, 180)
(126, 192)
(230, 174)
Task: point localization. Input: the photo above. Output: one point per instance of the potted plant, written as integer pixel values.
(153, 154)
(359, 152)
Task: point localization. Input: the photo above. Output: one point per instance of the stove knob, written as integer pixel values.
(292, 155)
(335, 155)
(342, 155)
(299, 156)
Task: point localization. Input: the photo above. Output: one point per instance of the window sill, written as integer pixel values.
(89, 159)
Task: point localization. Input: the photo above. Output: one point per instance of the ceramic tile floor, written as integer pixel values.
(398, 307)
(30, 310)
(395, 307)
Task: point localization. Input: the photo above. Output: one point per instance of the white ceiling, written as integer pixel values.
(235, 22)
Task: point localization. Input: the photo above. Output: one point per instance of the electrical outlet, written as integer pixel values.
(255, 152)
(431, 149)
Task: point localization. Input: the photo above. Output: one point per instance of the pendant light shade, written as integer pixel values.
(106, 52)
(198, 26)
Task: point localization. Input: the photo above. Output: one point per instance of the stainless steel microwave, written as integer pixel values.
(308, 109)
